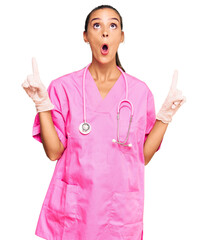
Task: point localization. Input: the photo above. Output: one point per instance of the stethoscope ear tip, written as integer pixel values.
(130, 144)
(114, 140)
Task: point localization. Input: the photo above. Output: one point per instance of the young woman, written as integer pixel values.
(100, 124)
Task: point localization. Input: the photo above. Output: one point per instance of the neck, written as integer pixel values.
(103, 71)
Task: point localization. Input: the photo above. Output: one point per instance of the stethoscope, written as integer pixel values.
(85, 127)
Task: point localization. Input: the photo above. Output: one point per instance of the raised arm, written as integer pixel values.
(172, 103)
(37, 91)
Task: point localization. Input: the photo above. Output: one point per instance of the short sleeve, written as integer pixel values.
(58, 98)
(151, 116)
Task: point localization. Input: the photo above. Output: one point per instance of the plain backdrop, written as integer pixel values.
(160, 36)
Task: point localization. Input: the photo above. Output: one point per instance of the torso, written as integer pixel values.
(95, 178)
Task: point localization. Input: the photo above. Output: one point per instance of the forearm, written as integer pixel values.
(154, 139)
(51, 142)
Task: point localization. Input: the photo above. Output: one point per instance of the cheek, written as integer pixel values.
(115, 44)
(116, 39)
(94, 41)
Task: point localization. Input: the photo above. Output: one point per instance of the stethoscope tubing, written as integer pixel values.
(118, 109)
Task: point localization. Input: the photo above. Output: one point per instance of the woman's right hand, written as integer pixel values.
(36, 90)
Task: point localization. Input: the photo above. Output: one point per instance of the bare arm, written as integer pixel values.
(154, 139)
(51, 142)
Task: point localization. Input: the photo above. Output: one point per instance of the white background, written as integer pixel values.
(160, 36)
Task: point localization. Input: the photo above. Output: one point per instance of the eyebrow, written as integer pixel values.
(100, 19)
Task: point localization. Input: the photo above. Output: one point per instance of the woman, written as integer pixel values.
(97, 189)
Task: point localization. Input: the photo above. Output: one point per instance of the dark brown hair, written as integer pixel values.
(118, 63)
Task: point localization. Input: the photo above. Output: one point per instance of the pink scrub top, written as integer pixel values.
(97, 188)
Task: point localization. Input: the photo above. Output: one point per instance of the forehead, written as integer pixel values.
(104, 13)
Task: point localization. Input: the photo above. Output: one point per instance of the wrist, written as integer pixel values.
(164, 116)
(44, 106)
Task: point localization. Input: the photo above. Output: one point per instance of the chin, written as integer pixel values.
(104, 60)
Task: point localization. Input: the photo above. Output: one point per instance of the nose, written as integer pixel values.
(105, 34)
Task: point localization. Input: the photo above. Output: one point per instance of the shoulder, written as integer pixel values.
(137, 82)
(67, 82)
(63, 86)
(68, 78)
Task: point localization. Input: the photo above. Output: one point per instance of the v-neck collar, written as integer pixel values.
(94, 100)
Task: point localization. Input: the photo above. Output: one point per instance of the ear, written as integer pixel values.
(85, 36)
(122, 36)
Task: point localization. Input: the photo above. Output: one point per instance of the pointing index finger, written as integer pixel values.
(174, 81)
(35, 66)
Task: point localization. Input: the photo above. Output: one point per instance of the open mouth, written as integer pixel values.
(104, 49)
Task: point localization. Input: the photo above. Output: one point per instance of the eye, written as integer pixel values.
(113, 25)
(95, 25)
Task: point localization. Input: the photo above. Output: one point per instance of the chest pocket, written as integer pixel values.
(132, 133)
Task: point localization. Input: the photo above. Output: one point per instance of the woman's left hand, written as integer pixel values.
(172, 102)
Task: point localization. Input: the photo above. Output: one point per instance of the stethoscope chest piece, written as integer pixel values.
(84, 128)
